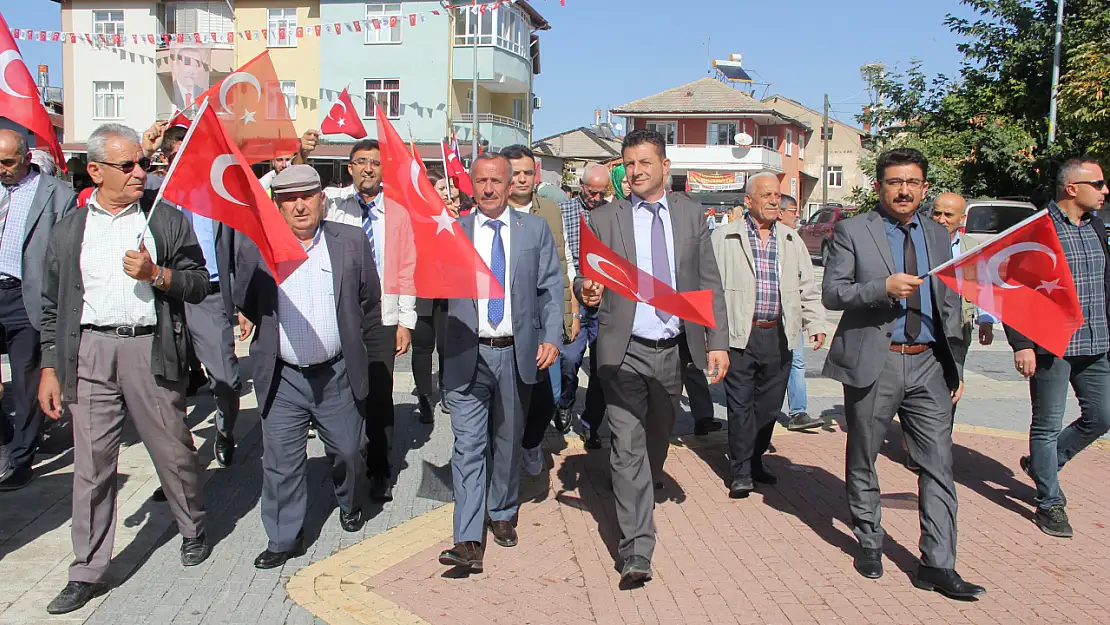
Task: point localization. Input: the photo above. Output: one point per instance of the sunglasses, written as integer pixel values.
(1097, 185)
(129, 166)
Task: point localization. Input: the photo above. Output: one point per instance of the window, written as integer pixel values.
(469, 101)
(507, 27)
(282, 19)
(387, 94)
(197, 16)
(802, 146)
(770, 142)
(518, 110)
(108, 100)
(669, 130)
(789, 143)
(281, 100)
(382, 13)
(836, 177)
(794, 188)
(826, 133)
(108, 23)
(721, 133)
(824, 217)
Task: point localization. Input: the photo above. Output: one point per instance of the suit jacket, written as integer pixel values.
(551, 212)
(53, 200)
(357, 306)
(798, 291)
(695, 270)
(536, 290)
(855, 282)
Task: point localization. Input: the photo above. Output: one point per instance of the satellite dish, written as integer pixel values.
(618, 127)
(743, 139)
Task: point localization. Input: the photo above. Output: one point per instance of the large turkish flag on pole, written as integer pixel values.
(209, 177)
(1022, 276)
(601, 264)
(427, 253)
(343, 119)
(19, 97)
(252, 107)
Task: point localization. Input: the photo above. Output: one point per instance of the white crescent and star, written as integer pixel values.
(340, 120)
(445, 222)
(236, 79)
(414, 171)
(995, 263)
(6, 57)
(216, 177)
(595, 261)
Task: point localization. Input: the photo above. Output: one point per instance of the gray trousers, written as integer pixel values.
(322, 396)
(487, 420)
(642, 399)
(214, 344)
(114, 373)
(913, 386)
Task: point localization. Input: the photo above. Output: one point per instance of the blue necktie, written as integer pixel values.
(495, 309)
(368, 227)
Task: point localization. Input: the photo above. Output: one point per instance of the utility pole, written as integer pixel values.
(1055, 71)
(825, 143)
(474, 89)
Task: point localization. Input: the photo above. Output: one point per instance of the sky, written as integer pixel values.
(605, 53)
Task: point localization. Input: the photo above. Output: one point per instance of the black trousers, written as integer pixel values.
(541, 407)
(427, 337)
(21, 431)
(379, 403)
(755, 387)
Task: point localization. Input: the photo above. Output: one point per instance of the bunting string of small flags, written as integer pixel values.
(229, 37)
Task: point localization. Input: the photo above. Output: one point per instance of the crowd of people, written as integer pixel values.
(104, 304)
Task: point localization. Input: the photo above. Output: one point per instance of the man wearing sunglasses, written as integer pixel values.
(36, 201)
(113, 313)
(1080, 192)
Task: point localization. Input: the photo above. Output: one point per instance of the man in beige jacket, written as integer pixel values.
(770, 295)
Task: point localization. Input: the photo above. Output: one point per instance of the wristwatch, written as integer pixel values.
(577, 315)
(159, 278)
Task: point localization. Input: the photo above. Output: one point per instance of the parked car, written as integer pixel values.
(817, 232)
(986, 218)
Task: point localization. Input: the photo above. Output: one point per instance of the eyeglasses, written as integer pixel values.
(1097, 185)
(365, 162)
(129, 166)
(796, 211)
(913, 183)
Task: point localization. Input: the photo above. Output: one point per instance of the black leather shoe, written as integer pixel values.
(158, 495)
(17, 479)
(74, 597)
(704, 426)
(802, 421)
(381, 489)
(350, 521)
(763, 476)
(427, 413)
(636, 570)
(504, 533)
(591, 440)
(562, 420)
(195, 550)
(273, 559)
(224, 450)
(947, 582)
(740, 488)
(869, 563)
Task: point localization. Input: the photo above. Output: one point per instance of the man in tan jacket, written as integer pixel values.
(770, 295)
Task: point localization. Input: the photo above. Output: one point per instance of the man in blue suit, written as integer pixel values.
(494, 349)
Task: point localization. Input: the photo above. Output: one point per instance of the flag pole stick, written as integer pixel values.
(173, 168)
(446, 178)
(989, 241)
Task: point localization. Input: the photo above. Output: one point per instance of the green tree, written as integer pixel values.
(1084, 95)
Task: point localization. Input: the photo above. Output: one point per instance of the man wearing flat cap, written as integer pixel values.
(310, 358)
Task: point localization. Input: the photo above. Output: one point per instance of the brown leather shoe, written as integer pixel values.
(467, 555)
(504, 533)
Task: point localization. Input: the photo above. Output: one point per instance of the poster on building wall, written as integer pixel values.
(190, 68)
(704, 181)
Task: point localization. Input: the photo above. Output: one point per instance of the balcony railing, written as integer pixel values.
(494, 119)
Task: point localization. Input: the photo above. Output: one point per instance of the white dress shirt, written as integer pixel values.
(113, 298)
(307, 319)
(341, 205)
(483, 242)
(647, 324)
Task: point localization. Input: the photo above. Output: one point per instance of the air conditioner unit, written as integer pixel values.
(536, 103)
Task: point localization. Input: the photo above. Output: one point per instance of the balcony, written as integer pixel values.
(221, 58)
(499, 130)
(499, 70)
(724, 158)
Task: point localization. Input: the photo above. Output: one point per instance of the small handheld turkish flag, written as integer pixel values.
(455, 170)
(19, 98)
(209, 177)
(1022, 276)
(343, 119)
(601, 264)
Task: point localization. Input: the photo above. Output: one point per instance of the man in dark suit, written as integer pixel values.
(311, 364)
(36, 201)
(494, 350)
(895, 351)
(641, 350)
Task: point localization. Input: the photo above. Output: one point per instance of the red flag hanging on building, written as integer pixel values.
(427, 253)
(252, 107)
(210, 177)
(601, 264)
(19, 98)
(1023, 278)
(454, 168)
(343, 119)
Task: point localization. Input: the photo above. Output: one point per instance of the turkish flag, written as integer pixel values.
(1022, 277)
(210, 177)
(251, 105)
(455, 170)
(343, 119)
(427, 253)
(601, 264)
(19, 98)
(179, 119)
